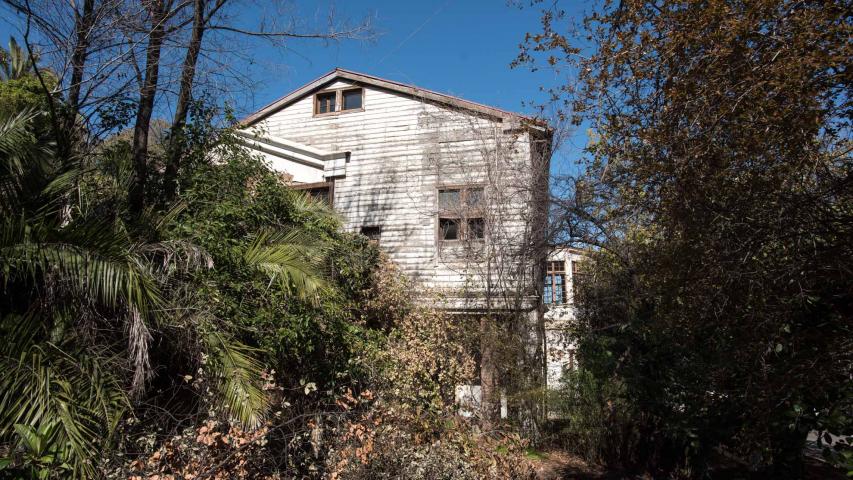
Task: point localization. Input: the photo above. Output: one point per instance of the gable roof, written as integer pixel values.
(382, 83)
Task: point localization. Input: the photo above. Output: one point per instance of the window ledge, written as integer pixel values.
(334, 114)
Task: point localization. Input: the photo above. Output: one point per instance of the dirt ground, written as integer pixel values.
(556, 464)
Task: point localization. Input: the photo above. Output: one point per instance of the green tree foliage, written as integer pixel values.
(107, 318)
(61, 275)
(20, 89)
(15, 63)
(285, 276)
(719, 188)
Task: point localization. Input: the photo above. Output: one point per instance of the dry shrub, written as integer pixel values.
(399, 422)
(214, 450)
(410, 427)
(379, 445)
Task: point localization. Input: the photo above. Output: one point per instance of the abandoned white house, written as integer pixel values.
(456, 193)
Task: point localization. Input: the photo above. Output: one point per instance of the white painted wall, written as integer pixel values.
(401, 150)
(301, 173)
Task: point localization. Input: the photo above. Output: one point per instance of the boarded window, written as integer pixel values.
(352, 99)
(325, 102)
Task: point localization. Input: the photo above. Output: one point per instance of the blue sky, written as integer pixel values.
(460, 47)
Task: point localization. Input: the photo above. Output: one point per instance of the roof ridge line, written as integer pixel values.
(401, 87)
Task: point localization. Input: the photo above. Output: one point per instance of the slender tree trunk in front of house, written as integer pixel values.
(490, 396)
(136, 196)
(176, 144)
(82, 27)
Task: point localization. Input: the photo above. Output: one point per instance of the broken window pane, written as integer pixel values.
(476, 228)
(448, 228)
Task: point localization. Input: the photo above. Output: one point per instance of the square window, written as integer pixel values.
(448, 199)
(373, 233)
(352, 99)
(448, 228)
(476, 228)
(326, 102)
(474, 198)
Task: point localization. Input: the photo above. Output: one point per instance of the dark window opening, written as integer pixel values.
(352, 99)
(326, 102)
(555, 283)
(373, 233)
(320, 194)
(476, 228)
(448, 228)
(320, 191)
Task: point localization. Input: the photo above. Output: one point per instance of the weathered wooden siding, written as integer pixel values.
(402, 150)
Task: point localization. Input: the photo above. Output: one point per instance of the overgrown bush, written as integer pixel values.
(408, 427)
(594, 421)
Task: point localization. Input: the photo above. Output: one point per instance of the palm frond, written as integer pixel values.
(293, 259)
(23, 159)
(105, 271)
(239, 379)
(73, 397)
(112, 282)
(171, 256)
(16, 62)
(306, 206)
(138, 339)
(173, 212)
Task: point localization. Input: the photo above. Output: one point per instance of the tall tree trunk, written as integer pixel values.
(490, 395)
(147, 93)
(82, 28)
(176, 144)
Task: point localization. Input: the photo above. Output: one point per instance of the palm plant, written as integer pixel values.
(292, 258)
(83, 294)
(14, 63)
(63, 275)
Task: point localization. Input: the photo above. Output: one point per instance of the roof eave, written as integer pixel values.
(410, 90)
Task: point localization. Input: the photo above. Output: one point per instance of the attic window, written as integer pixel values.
(352, 99)
(326, 102)
(332, 102)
